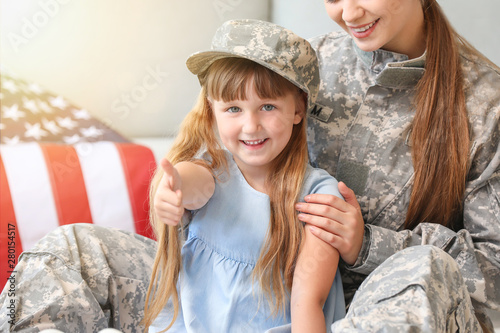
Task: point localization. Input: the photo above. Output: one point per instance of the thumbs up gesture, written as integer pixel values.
(168, 197)
(186, 185)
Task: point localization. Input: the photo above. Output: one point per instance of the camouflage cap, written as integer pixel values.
(269, 45)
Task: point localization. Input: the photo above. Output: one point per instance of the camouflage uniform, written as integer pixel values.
(80, 278)
(84, 278)
(359, 132)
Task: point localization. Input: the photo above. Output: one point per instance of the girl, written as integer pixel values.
(408, 117)
(243, 239)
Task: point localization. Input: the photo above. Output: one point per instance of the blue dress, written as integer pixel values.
(223, 244)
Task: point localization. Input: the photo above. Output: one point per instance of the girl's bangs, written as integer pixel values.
(228, 80)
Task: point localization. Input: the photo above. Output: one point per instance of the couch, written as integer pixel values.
(60, 165)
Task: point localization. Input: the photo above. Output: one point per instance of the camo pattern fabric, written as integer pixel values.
(359, 132)
(85, 278)
(267, 44)
(80, 278)
(395, 297)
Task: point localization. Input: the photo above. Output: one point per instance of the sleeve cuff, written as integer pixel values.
(363, 253)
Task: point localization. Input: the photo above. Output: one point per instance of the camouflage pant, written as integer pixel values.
(83, 278)
(419, 289)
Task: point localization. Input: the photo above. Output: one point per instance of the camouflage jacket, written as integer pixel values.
(358, 131)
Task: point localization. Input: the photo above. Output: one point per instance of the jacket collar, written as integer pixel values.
(392, 69)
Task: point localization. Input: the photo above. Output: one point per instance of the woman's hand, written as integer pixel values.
(335, 221)
(168, 197)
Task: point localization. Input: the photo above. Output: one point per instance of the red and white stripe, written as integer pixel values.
(44, 186)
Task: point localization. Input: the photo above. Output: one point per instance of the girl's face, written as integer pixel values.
(255, 130)
(392, 25)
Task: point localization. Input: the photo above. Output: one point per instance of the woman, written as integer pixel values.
(408, 117)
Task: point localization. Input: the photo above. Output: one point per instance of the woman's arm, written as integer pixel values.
(186, 185)
(312, 280)
(476, 247)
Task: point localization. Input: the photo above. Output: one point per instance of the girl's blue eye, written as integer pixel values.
(233, 109)
(268, 107)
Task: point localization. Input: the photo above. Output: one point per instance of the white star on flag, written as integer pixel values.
(58, 102)
(34, 131)
(81, 114)
(10, 86)
(30, 104)
(66, 122)
(12, 112)
(51, 126)
(11, 141)
(91, 132)
(71, 139)
(35, 88)
(44, 106)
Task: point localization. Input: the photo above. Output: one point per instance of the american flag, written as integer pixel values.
(30, 113)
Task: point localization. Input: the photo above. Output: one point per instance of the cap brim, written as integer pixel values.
(199, 62)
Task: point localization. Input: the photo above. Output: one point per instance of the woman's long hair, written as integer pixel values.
(440, 136)
(226, 80)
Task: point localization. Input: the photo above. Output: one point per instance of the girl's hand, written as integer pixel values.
(168, 197)
(335, 221)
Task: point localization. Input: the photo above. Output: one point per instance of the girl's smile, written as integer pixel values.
(254, 144)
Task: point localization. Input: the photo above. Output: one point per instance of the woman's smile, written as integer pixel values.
(392, 25)
(363, 31)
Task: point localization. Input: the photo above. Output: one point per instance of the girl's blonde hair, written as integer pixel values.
(226, 79)
(441, 127)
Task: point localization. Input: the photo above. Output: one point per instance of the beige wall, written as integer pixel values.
(122, 60)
